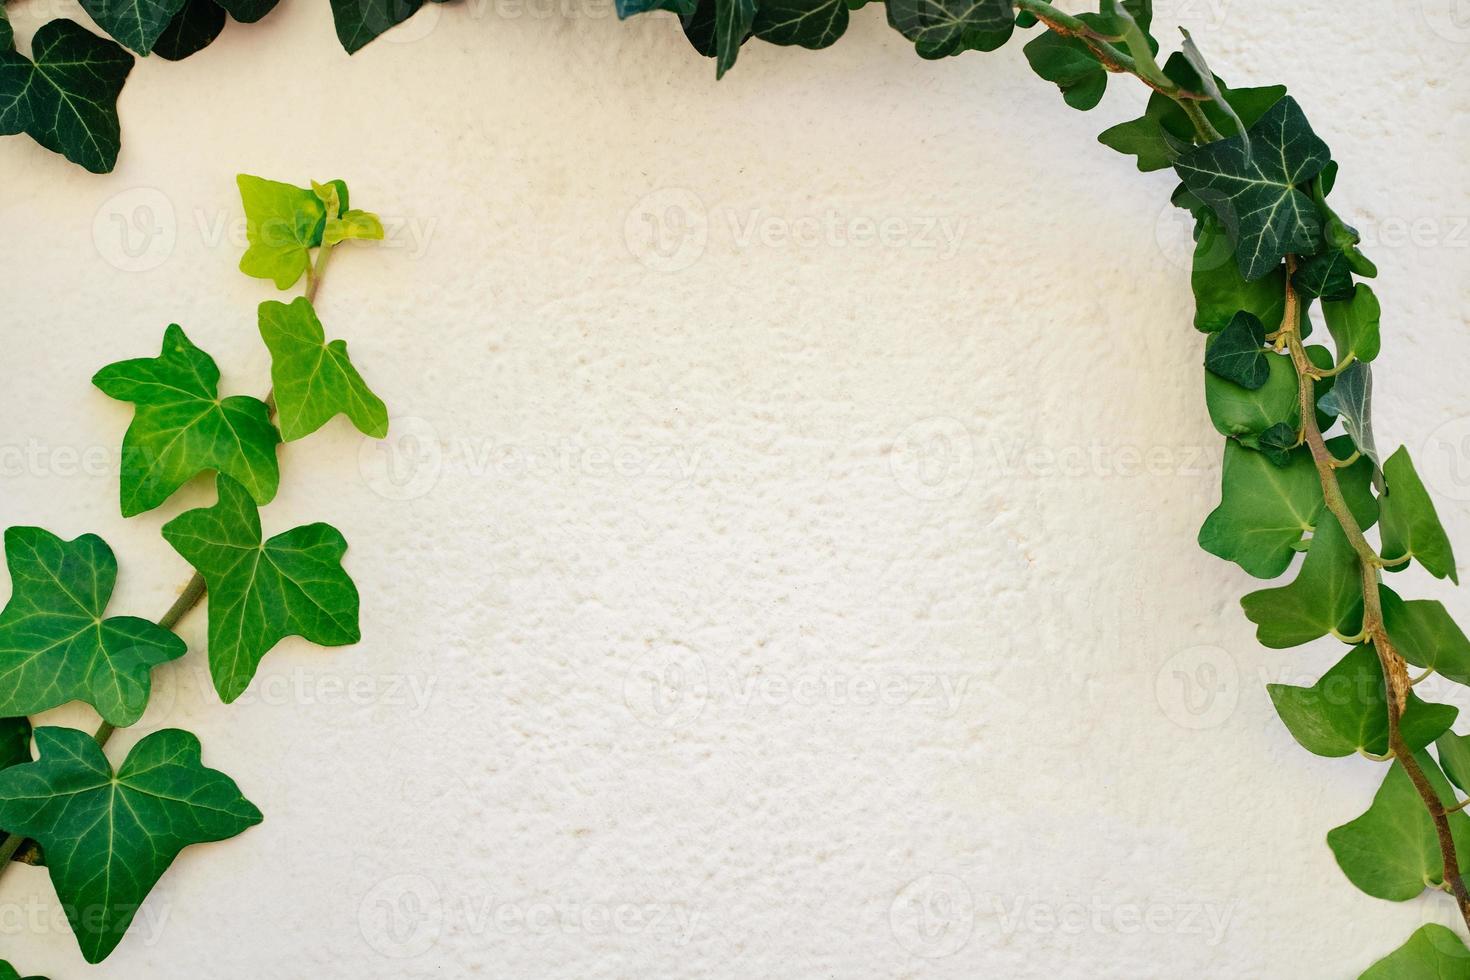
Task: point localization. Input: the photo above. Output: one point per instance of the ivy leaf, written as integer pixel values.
(282, 224)
(1238, 354)
(8, 972)
(1347, 711)
(353, 225)
(55, 645)
(809, 23)
(134, 24)
(1071, 65)
(314, 380)
(7, 37)
(1354, 323)
(1220, 291)
(1432, 953)
(940, 28)
(1244, 414)
(1411, 528)
(1277, 443)
(248, 11)
(1425, 635)
(1257, 193)
(360, 21)
(627, 8)
(1454, 757)
(1352, 398)
(260, 591)
(1325, 597)
(193, 29)
(1326, 274)
(733, 19)
(66, 99)
(183, 428)
(1391, 851)
(110, 836)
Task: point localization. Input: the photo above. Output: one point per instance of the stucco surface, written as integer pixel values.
(783, 561)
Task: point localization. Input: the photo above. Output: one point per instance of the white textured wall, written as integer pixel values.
(915, 514)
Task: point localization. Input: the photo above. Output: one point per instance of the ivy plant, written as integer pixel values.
(106, 831)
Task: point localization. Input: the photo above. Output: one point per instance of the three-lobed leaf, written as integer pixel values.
(314, 380)
(262, 591)
(1425, 635)
(109, 836)
(1411, 527)
(56, 646)
(181, 427)
(1326, 596)
(283, 223)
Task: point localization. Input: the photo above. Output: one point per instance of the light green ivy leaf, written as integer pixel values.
(1259, 193)
(1431, 953)
(182, 428)
(55, 645)
(314, 380)
(1326, 595)
(259, 591)
(110, 836)
(282, 224)
(1411, 527)
(1346, 711)
(1391, 851)
(1426, 636)
(66, 98)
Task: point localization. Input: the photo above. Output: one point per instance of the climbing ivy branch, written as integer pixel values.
(107, 835)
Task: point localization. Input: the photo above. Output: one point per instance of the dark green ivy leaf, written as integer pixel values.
(1277, 443)
(360, 21)
(1392, 851)
(1411, 527)
(262, 591)
(15, 742)
(733, 19)
(192, 30)
(55, 645)
(627, 8)
(1454, 757)
(182, 428)
(248, 11)
(7, 34)
(1351, 398)
(1326, 275)
(1346, 711)
(110, 836)
(8, 972)
(1259, 194)
(940, 28)
(1071, 65)
(808, 23)
(1238, 353)
(1432, 953)
(66, 99)
(1325, 597)
(134, 24)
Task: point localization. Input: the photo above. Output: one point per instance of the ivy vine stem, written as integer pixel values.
(1395, 672)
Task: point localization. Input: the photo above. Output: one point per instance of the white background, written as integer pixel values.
(912, 515)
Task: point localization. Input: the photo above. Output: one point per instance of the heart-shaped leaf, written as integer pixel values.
(1431, 953)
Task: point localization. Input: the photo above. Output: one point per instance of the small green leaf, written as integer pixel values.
(314, 380)
(66, 99)
(55, 645)
(1432, 953)
(1220, 291)
(1346, 711)
(1425, 635)
(282, 224)
(1068, 63)
(1326, 274)
(260, 592)
(1391, 851)
(1258, 193)
(183, 428)
(360, 225)
(1326, 595)
(1354, 324)
(110, 836)
(809, 23)
(1244, 414)
(1454, 757)
(1411, 528)
(1351, 398)
(1238, 354)
(940, 28)
(1277, 443)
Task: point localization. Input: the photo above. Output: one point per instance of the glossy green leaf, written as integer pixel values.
(1244, 414)
(1411, 527)
(15, 741)
(1220, 291)
(193, 29)
(1391, 851)
(110, 836)
(1238, 354)
(733, 20)
(1277, 443)
(66, 98)
(182, 428)
(1326, 274)
(360, 21)
(1326, 596)
(247, 11)
(8, 972)
(1072, 66)
(627, 8)
(1258, 194)
(940, 28)
(1426, 636)
(809, 23)
(55, 645)
(314, 380)
(282, 224)
(134, 24)
(1432, 953)
(1354, 323)
(7, 33)
(1346, 711)
(1351, 398)
(260, 591)
(1454, 757)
